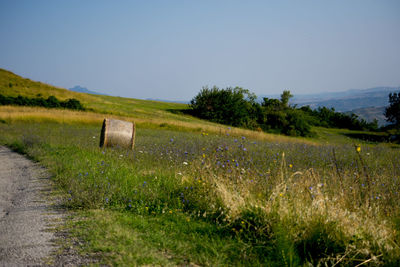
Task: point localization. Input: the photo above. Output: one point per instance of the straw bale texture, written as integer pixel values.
(117, 133)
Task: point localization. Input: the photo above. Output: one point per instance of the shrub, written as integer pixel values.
(231, 106)
(50, 102)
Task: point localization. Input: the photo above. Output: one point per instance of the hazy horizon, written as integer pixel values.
(170, 50)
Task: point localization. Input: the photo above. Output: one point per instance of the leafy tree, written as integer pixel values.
(232, 106)
(53, 102)
(285, 97)
(392, 112)
(238, 107)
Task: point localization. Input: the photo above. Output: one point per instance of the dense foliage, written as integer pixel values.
(238, 107)
(392, 112)
(50, 102)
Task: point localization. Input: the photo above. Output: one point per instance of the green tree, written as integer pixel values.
(392, 112)
(232, 106)
(285, 97)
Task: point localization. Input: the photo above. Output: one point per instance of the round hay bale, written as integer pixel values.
(117, 133)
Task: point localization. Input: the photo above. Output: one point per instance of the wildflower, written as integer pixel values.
(185, 163)
(204, 155)
(171, 140)
(242, 222)
(170, 212)
(358, 148)
(290, 166)
(281, 194)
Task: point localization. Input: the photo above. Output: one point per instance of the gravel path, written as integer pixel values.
(26, 214)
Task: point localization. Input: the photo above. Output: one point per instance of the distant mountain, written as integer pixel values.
(80, 89)
(371, 113)
(347, 100)
(368, 104)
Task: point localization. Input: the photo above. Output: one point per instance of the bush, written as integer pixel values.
(50, 102)
(238, 107)
(231, 106)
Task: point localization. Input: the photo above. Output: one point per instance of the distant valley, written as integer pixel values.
(368, 104)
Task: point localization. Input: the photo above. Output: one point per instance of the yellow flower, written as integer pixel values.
(170, 212)
(204, 155)
(290, 166)
(281, 194)
(358, 148)
(242, 222)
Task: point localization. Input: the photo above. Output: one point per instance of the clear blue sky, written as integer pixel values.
(170, 49)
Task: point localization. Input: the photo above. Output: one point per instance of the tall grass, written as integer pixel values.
(284, 203)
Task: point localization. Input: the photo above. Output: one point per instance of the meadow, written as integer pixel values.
(221, 199)
(199, 193)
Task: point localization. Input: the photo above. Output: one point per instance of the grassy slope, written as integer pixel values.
(165, 234)
(147, 114)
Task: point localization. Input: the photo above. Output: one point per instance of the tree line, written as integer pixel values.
(239, 107)
(50, 102)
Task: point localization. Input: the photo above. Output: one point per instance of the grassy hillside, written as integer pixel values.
(148, 114)
(197, 193)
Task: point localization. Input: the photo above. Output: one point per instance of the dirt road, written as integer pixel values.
(26, 214)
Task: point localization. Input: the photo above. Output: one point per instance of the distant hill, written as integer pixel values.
(368, 104)
(80, 89)
(347, 100)
(371, 113)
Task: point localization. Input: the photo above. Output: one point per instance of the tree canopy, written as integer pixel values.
(392, 112)
(239, 107)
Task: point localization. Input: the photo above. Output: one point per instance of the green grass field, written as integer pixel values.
(193, 192)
